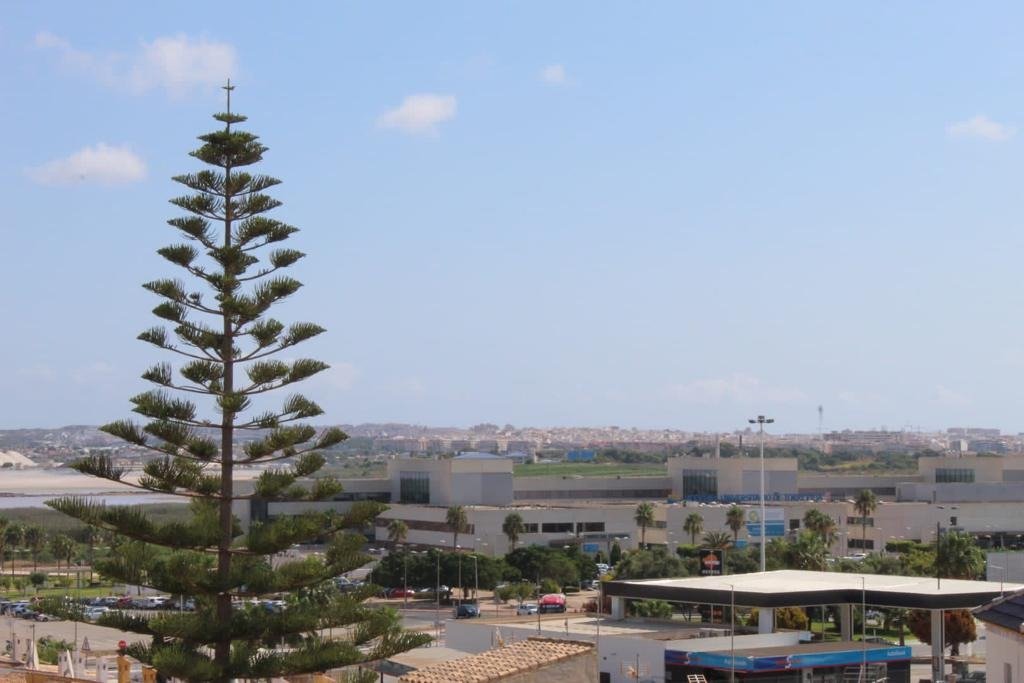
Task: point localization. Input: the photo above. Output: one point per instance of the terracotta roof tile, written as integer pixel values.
(495, 664)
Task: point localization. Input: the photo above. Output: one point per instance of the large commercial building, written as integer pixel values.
(980, 495)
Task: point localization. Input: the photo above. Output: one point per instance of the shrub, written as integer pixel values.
(550, 586)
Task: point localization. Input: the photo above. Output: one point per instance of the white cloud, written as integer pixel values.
(949, 397)
(736, 388)
(93, 373)
(101, 164)
(553, 74)
(420, 113)
(176, 64)
(982, 127)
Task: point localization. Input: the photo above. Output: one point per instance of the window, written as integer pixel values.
(954, 475)
(530, 528)
(861, 544)
(700, 483)
(856, 521)
(591, 526)
(794, 524)
(414, 487)
(556, 527)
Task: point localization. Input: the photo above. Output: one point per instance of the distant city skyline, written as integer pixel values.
(662, 216)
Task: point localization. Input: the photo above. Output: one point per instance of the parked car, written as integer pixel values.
(526, 608)
(467, 611)
(552, 602)
(19, 609)
(42, 616)
(94, 613)
(401, 593)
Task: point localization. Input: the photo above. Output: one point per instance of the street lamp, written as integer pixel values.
(458, 549)
(761, 421)
(476, 580)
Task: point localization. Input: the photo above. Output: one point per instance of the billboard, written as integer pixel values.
(774, 522)
(711, 562)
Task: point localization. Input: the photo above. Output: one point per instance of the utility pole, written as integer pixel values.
(761, 421)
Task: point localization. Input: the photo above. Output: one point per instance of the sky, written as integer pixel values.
(668, 215)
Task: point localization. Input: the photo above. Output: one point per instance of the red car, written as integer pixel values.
(401, 593)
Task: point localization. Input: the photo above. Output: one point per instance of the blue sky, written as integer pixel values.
(664, 215)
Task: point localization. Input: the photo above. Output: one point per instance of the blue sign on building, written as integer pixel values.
(809, 660)
(581, 455)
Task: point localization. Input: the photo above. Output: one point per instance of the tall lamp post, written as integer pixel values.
(761, 421)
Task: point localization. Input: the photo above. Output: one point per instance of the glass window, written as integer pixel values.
(700, 483)
(556, 527)
(591, 526)
(530, 528)
(954, 475)
(414, 487)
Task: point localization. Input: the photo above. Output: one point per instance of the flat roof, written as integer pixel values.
(795, 588)
(503, 662)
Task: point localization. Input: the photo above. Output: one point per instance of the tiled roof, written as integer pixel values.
(525, 655)
(1007, 611)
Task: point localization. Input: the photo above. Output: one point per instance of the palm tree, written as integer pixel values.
(957, 556)
(644, 517)
(513, 527)
(397, 531)
(821, 524)
(63, 548)
(717, 540)
(15, 535)
(735, 518)
(693, 525)
(458, 522)
(35, 541)
(865, 504)
(4, 524)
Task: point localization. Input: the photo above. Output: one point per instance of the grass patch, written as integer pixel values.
(585, 469)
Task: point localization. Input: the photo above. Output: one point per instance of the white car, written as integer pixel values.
(526, 609)
(94, 613)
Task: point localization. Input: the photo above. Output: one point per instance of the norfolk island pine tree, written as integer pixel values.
(225, 346)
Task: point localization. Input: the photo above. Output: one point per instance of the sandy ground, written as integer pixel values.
(42, 482)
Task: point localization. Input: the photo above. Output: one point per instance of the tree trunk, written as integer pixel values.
(222, 650)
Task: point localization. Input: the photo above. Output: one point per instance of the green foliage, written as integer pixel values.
(794, 618)
(513, 528)
(398, 531)
(218, 326)
(655, 563)
(563, 566)
(37, 579)
(548, 585)
(821, 524)
(644, 517)
(693, 525)
(422, 569)
(655, 609)
(958, 556)
(49, 649)
(717, 540)
(458, 521)
(735, 518)
(615, 554)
